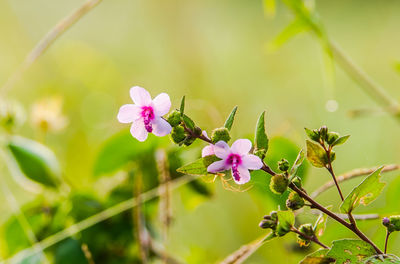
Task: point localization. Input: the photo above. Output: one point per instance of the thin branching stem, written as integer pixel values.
(311, 238)
(386, 240)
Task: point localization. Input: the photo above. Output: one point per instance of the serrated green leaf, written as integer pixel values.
(285, 222)
(295, 27)
(36, 161)
(261, 138)
(365, 193)
(182, 108)
(340, 140)
(318, 257)
(350, 251)
(316, 154)
(297, 163)
(121, 149)
(194, 168)
(383, 259)
(229, 121)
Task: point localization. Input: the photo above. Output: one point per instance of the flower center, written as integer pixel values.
(148, 116)
(234, 160)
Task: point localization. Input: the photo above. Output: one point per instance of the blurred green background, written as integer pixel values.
(215, 53)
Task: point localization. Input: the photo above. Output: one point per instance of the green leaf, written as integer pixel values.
(318, 257)
(261, 138)
(316, 154)
(36, 161)
(383, 259)
(297, 163)
(366, 192)
(121, 149)
(350, 251)
(320, 224)
(295, 27)
(340, 140)
(69, 251)
(285, 222)
(229, 122)
(194, 168)
(182, 109)
(188, 122)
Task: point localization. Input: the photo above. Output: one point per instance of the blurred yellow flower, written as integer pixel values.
(47, 114)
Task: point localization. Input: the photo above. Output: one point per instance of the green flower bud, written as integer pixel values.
(313, 134)
(279, 183)
(220, 134)
(189, 140)
(297, 181)
(393, 223)
(333, 155)
(208, 160)
(198, 131)
(260, 153)
(178, 134)
(308, 230)
(281, 230)
(283, 165)
(174, 118)
(269, 221)
(294, 201)
(323, 131)
(331, 138)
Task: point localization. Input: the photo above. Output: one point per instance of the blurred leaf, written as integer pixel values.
(194, 168)
(297, 163)
(34, 259)
(318, 257)
(70, 251)
(366, 192)
(269, 7)
(340, 140)
(350, 251)
(119, 150)
(320, 224)
(36, 161)
(316, 154)
(229, 122)
(261, 138)
(182, 108)
(201, 187)
(295, 27)
(195, 194)
(285, 222)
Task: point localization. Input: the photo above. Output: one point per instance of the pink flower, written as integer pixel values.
(146, 114)
(236, 158)
(209, 149)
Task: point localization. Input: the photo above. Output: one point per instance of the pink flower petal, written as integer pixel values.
(161, 127)
(251, 162)
(138, 130)
(204, 133)
(218, 166)
(140, 96)
(221, 149)
(161, 104)
(241, 146)
(128, 113)
(244, 175)
(207, 151)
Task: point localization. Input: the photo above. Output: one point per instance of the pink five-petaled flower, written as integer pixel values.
(236, 158)
(146, 114)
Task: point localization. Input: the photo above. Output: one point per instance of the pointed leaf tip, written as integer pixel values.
(229, 121)
(261, 138)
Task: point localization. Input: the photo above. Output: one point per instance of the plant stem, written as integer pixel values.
(386, 240)
(311, 238)
(330, 169)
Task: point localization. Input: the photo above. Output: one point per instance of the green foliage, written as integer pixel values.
(383, 259)
(340, 140)
(261, 138)
(316, 154)
(70, 251)
(350, 251)
(295, 27)
(194, 168)
(297, 163)
(320, 224)
(318, 257)
(182, 108)
(229, 121)
(366, 192)
(36, 161)
(188, 122)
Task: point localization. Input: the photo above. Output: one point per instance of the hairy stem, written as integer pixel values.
(311, 238)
